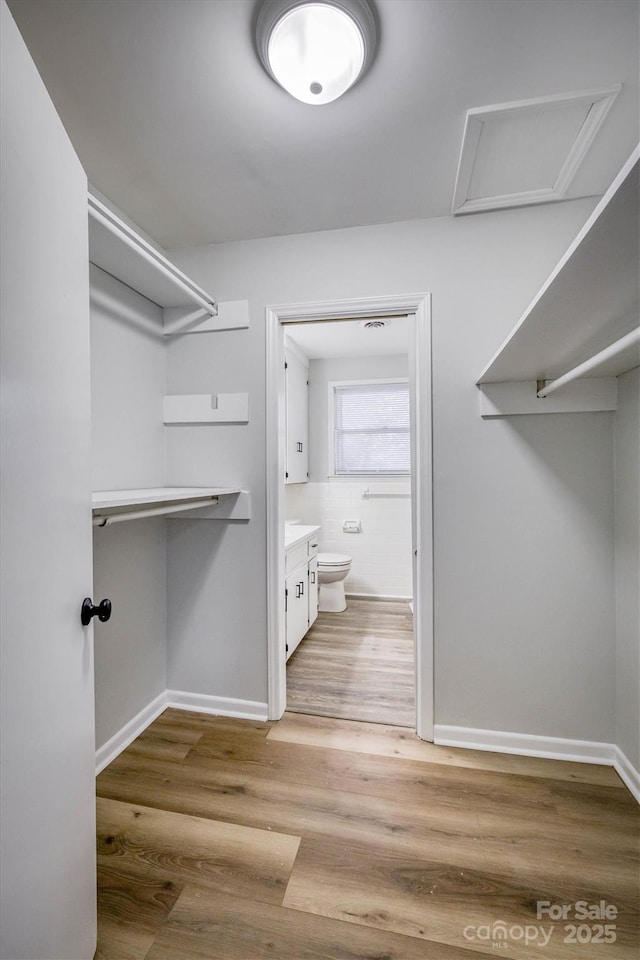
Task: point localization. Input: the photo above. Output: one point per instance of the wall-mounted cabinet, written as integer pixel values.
(296, 381)
(583, 325)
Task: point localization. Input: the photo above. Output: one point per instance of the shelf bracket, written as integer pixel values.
(517, 398)
(207, 408)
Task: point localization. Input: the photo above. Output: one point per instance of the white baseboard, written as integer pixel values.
(551, 748)
(525, 745)
(627, 772)
(376, 596)
(120, 740)
(220, 706)
(196, 702)
(469, 738)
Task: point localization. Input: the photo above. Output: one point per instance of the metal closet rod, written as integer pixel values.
(584, 368)
(100, 521)
(154, 259)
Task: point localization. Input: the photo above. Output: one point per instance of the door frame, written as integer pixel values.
(417, 306)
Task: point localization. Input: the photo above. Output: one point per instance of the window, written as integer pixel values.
(371, 428)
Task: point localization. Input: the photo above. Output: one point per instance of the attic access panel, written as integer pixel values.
(526, 152)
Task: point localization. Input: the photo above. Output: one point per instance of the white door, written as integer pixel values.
(297, 615)
(48, 755)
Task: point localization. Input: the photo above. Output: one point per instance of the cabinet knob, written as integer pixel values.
(88, 610)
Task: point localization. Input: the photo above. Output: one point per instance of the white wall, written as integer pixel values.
(524, 597)
(627, 472)
(382, 552)
(130, 559)
(216, 574)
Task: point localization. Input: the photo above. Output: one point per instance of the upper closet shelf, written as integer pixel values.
(581, 322)
(119, 250)
(114, 506)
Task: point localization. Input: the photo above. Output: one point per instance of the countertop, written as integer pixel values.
(296, 533)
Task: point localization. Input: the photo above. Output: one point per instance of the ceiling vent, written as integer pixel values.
(527, 152)
(374, 324)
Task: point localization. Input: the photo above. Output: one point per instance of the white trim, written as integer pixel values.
(379, 596)
(524, 744)
(290, 346)
(419, 307)
(220, 706)
(471, 738)
(599, 101)
(121, 740)
(196, 702)
(627, 772)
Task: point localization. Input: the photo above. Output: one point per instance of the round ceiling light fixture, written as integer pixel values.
(316, 49)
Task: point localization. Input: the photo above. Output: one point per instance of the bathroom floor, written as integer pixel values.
(357, 665)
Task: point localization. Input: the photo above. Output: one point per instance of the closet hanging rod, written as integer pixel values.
(103, 216)
(102, 521)
(583, 369)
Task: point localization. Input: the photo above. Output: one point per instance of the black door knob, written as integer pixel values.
(102, 611)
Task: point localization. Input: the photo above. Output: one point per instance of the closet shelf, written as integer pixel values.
(588, 304)
(114, 506)
(119, 250)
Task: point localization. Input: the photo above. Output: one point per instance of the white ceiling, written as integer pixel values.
(327, 339)
(178, 124)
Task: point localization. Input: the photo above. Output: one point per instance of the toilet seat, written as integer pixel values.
(333, 560)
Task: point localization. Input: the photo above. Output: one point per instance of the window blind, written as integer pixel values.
(372, 428)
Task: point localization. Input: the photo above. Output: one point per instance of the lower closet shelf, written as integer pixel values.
(212, 503)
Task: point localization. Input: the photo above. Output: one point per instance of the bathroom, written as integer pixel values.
(348, 494)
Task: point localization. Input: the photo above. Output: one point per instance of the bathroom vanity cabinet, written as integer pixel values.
(301, 583)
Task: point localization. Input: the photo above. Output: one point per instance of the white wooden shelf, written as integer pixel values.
(114, 506)
(589, 302)
(119, 250)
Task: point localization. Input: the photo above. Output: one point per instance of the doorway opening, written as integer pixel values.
(412, 312)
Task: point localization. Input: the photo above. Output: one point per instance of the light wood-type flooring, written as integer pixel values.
(314, 838)
(358, 665)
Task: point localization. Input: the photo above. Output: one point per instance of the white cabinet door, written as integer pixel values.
(297, 616)
(297, 406)
(313, 590)
(48, 880)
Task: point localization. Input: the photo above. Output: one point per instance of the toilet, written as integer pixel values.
(333, 569)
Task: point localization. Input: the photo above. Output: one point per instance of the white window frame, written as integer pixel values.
(367, 381)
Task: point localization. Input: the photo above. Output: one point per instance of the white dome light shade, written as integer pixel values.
(316, 53)
(316, 50)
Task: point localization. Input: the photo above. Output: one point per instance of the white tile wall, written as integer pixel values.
(382, 552)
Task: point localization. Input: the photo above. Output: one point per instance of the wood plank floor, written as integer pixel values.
(313, 838)
(357, 665)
